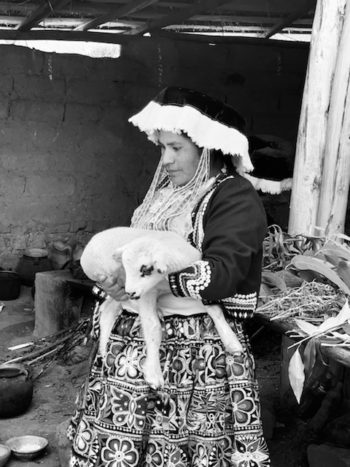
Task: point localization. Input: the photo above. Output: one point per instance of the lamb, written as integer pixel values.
(146, 258)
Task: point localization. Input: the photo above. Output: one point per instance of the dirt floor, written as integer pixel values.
(55, 387)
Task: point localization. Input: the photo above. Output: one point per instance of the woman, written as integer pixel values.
(208, 413)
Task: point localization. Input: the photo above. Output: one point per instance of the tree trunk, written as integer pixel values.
(336, 172)
(314, 115)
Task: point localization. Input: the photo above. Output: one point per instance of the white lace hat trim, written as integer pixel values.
(270, 186)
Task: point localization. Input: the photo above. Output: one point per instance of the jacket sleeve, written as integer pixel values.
(230, 269)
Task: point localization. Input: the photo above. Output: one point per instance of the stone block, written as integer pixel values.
(92, 92)
(4, 227)
(20, 60)
(60, 228)
(6, 84)
(8, 260)
(37, 111)
(11, 186)
(81, 113)
(78, 224)
(65, 66)
(325, 455)
(39, 87)
(48, 186)
(36, 239)
(18, 243)
(16, 159)
(54, 309)
(4, 107)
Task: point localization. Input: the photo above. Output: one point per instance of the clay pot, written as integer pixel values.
(16, 390)
(33, 260)
(10, 285)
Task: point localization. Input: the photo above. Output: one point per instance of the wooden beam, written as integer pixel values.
(41, 12)
(114, 38)
(179, 16)
(336, 169)
(309, 156)
(213, 40)
(116, 13)
(290, 19)
(244, 19)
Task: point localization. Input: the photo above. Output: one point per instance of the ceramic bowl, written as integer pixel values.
(5, 453)
(27, 447)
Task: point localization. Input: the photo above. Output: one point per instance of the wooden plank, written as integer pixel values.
(265, 7)
(336, 171)
(246, 19)
(116, 13)
(179, 16)
(41, 12)
(290, 19)
(309, 157)
(10, 20)
(229, 28)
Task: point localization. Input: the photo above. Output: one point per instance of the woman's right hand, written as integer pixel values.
(115, 286)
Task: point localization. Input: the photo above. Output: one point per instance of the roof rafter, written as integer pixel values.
(116, 13)
(179, 16)
(302, 11)
(40, 13)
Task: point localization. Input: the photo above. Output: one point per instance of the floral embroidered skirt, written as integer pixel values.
(207, 415)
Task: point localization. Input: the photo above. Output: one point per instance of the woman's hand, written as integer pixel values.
(163, 287)
(115, 286)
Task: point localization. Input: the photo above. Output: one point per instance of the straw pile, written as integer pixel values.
(312, 301)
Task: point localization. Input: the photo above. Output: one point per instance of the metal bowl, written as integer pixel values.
(27, 447)
(5, 453)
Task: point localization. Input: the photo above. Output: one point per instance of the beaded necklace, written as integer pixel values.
(164, 202)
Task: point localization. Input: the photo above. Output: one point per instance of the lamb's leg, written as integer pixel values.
(228, 337)
(110, 310)
(152, 332)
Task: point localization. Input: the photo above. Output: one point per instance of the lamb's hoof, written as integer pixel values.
(153, 376)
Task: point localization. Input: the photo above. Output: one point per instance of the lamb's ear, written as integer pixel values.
(117, 255)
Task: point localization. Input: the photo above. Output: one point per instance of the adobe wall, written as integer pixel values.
(71, 164)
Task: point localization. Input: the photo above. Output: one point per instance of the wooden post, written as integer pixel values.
(314, 114)
(336, 169)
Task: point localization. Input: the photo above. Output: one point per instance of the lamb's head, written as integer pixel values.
(143, 264)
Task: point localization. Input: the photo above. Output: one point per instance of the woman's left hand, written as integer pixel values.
(163, 287)
(115, 286)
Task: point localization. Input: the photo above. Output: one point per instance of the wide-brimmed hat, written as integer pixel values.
(209, 123)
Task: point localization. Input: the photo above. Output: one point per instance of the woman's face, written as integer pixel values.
(180, 157)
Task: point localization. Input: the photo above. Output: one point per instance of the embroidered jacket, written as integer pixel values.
(229, 226)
